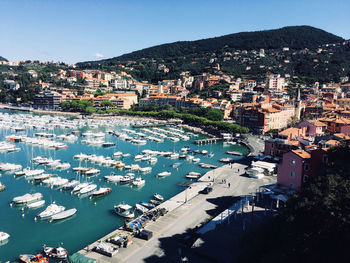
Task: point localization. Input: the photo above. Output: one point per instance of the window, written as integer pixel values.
(292, 174)
(306, 178)
(291, 186)
(306, 167)
(293, 162)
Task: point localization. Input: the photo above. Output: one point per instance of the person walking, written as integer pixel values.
(229, 185)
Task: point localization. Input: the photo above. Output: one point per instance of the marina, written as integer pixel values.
(100, 209)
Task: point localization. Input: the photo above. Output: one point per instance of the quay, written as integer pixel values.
(186, 210)
(209, 140)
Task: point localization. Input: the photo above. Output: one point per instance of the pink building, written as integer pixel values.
(298, 166)
(313, 127)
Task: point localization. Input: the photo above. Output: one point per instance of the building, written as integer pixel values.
(313, 127)
(119, 100)
(276, 83)
(163, 99)
(47, 100)
(298, 166)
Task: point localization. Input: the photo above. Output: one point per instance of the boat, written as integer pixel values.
(108, 144)
(196, 160)
(114, 178)
(4, 236)
(193, 175)
(145, 169)
(176, 165)
(88, 189)
(80, 186)
(92, 171)
(147, 205)
(129, 177)
(41, 177)
(204, 152)
(51, 210)
(36, 204)
(124, 210)
(63, 166)
(155, 202)
(28, 258)
(71, 184)
(162, 174)
(102, 191)
(27, 198)
(64, 214)
(55, 252)
(138, 182)
(60, 182)
(158, 197)
(141, 208)
(234, 153)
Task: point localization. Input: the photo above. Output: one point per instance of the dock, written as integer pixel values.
(209, 140)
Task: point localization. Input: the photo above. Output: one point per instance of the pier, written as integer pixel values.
(209, 140)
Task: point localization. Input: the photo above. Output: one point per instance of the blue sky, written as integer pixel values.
(76, 30)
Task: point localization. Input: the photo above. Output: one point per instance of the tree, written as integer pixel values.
(90, 110)
(214, 115)
(106, 104)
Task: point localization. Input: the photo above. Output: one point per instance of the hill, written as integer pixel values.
(3, 59)
(197, 56)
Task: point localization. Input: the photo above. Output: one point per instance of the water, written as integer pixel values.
(95, 218)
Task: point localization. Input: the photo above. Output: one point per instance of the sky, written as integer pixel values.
(75, 30)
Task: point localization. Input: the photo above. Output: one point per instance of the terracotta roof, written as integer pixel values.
(342, 136)
(332, 142)
(301, 153)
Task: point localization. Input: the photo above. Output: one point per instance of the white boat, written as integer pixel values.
(196, 160)
(51, 210)
(80, 186)
(204, 152)
(102, 191)
(145, 169)
(4, 236)
(138, 157)
(55, 252)
(139, 182)
(64, 214)
(114, 178)
(63, 166)
(162, 174)
(71, 184)
(124, 210)
(189, 158)
(92, 171)
(88, 189)
(158, 197)
(36, 204)
(31, 173)
(41, 177)
(60, 182)
(27, 198)
(141, 208)
(174, 156)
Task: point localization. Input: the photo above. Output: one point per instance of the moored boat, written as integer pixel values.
(141, 208)
(36, 204)
(55, 252)
(4, 236)
(124, 210)
(162, 174)
(139, 182)
(27, 198)
(158, 197)
(102, 191)
(51, 210)
(64, 214)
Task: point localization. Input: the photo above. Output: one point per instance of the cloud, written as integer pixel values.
(98, 55)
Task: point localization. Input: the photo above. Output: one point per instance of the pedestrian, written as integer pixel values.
(229, 185)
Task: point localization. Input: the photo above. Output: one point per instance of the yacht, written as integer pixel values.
(114, 178)
(162, 174)
(145, 169)
(4, 236)
(139, 182)
(129, 177)
(158, 197)
(141, 208)
(102, 191)
(27, 198)
(55, 252)
(80, 186)
(92, 171)
(51, 210)
(63, 214)
(88, 189)
(71, 184)
(36, 204)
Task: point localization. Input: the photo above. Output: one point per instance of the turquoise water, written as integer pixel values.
(95, 218)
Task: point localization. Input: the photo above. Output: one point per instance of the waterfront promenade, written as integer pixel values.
(187, 210)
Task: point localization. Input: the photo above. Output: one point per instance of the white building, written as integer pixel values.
(276, 83)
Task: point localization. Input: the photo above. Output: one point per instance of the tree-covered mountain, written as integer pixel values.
(238, 54)
(3, 59)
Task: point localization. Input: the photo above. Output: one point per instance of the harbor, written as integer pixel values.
(57, 140)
